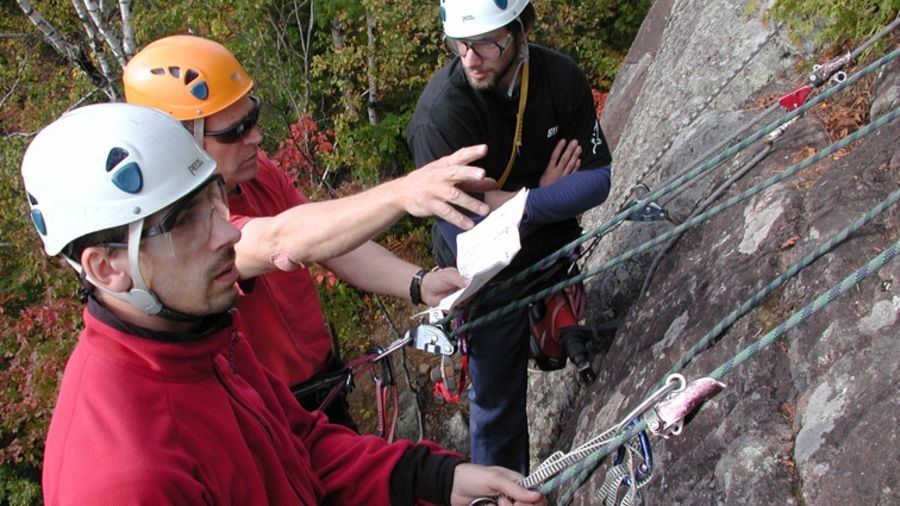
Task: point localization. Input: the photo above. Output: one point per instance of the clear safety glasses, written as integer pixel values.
(188, 221)
(485, 49)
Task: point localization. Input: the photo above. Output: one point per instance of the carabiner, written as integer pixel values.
(645, 469)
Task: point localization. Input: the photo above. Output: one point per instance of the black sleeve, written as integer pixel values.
(581, 122)
(422, 475)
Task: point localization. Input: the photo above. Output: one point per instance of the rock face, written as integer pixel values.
(812, 420)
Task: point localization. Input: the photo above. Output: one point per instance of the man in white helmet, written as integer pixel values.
(162, 400)
(533, 108)
(201, 83)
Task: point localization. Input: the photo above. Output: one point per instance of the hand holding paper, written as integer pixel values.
(487, 248)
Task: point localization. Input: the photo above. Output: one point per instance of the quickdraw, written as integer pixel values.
(627, 473)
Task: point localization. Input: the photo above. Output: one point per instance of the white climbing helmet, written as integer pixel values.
(107, 165)
(468, 18)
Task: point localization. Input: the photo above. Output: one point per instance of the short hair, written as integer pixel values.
(74, 249)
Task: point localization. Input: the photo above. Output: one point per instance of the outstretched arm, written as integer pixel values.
(372, 268)
(321, 230)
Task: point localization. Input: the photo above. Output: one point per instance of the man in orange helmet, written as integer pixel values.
(200, 83)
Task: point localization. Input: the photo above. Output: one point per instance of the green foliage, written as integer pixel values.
(835, 22)
(18, 490)
(596, 33)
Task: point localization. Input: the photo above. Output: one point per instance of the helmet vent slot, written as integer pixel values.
(128, 178)
(190, 75)
(115, 157)
(158, 71)
(200, 90)
(175, 71)
(38, 219)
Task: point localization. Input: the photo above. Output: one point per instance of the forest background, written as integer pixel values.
(339, 80)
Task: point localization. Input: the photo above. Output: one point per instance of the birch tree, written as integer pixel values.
(100, 49)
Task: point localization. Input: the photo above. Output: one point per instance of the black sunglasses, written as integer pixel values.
(239, 130)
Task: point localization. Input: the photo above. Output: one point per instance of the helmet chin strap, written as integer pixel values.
(139, 295)
(522, 59)
(199, 124)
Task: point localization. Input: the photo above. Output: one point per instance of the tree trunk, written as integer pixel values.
(370, 70)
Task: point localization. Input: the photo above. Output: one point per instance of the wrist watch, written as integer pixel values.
(415, 287)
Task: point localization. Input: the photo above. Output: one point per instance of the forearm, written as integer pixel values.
(568, 197)
(372, 268)
(317, 231)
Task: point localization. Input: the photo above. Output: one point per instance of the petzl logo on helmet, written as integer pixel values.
(196, 164)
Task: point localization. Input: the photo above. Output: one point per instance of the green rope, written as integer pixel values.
(759, 296)
(689, 175)
(587, 465)
(802, 315)
(754, 190)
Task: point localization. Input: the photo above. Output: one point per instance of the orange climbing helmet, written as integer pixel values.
(186, 76)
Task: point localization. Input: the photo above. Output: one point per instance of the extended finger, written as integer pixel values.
(480, 186)
(557, 151)
(466, 201)
(464, 156)
(447, 212)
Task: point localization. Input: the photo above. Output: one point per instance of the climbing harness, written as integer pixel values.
(385, 385)
(556, 335)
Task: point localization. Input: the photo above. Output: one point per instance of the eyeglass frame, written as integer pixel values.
(453, 45)
(237, 132)
(169, 220)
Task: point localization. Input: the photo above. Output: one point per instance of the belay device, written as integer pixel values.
(556, 334)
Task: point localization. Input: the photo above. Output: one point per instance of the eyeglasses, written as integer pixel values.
(192, 216)
(188, 221)
(239, 130)
(486, 49)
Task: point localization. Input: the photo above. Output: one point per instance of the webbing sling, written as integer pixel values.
(517, 140)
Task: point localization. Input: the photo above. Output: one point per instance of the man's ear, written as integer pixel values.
(106, 268)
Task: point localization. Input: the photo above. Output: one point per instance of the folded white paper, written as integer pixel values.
(487, 248)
